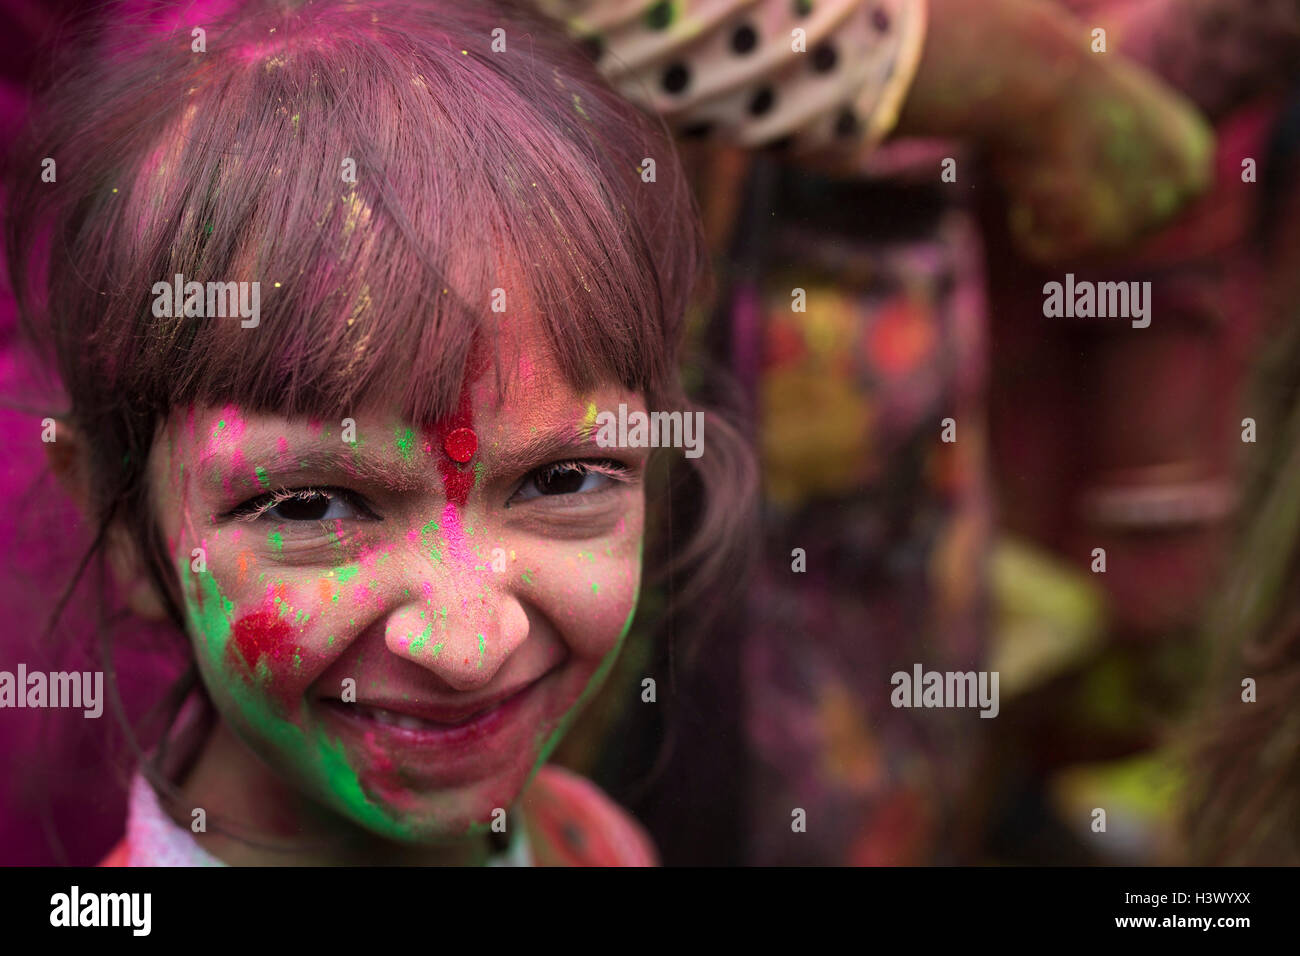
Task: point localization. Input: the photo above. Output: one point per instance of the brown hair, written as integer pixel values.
(226, 165)
(1244, 806)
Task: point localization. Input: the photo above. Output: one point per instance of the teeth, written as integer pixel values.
(404, 721)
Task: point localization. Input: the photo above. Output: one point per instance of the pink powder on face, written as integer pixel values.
(454, 534)
(361, 595)
(235, 423)
(237, 466)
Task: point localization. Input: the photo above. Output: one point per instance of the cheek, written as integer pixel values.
(265, 632)
(591, 590)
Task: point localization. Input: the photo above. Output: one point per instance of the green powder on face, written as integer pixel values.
(211, 616)
(552, 741)
(595, 588)
(347, 572)
(434, 551)
(437, 649)
(482, 649)
(405, 442)
(221, 425)
(309, 755)
(419, 642)
(261, 476)
(275, 541)
(526, 577)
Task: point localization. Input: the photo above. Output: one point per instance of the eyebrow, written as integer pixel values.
(546, 444)
(552, 443)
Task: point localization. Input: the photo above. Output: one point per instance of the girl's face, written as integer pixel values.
(402, 621)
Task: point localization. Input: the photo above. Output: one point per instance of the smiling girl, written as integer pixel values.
(379, 515)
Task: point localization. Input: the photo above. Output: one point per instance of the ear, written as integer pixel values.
(69, 460)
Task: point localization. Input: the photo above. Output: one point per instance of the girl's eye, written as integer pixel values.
(304, 504)
(571, 478)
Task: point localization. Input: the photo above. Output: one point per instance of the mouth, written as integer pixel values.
(430, 725)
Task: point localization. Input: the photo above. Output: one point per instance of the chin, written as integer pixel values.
(431, 818)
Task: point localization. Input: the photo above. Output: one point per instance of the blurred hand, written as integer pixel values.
(1114, 158)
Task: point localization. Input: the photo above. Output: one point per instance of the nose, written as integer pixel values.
(462, 621)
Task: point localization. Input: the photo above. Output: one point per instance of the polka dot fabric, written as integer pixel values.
(736, 71)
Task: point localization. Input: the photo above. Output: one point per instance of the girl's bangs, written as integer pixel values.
(397, 192)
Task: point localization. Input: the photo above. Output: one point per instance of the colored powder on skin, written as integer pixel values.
(236, 468)
(597, 679)
(234, 422)
(211, 615)
(263, 637)
(345, 785)
(435, 552)
(260, 473)
(457, 480)
(419, 642)
(595, 588)
(275, 541)
(482, 650)
(453, 534)
(347, 572)
(526, 577)
(405, 442)
(589, 421)
(478, 473)
(437, 649)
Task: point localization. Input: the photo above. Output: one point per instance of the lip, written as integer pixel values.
(450, 713)
(449, 730)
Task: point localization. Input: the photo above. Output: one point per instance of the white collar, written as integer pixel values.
(155, 839)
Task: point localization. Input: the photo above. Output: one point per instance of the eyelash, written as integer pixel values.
(614, 470)
(255, 508)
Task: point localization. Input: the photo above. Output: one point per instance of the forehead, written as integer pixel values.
(517, 402)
